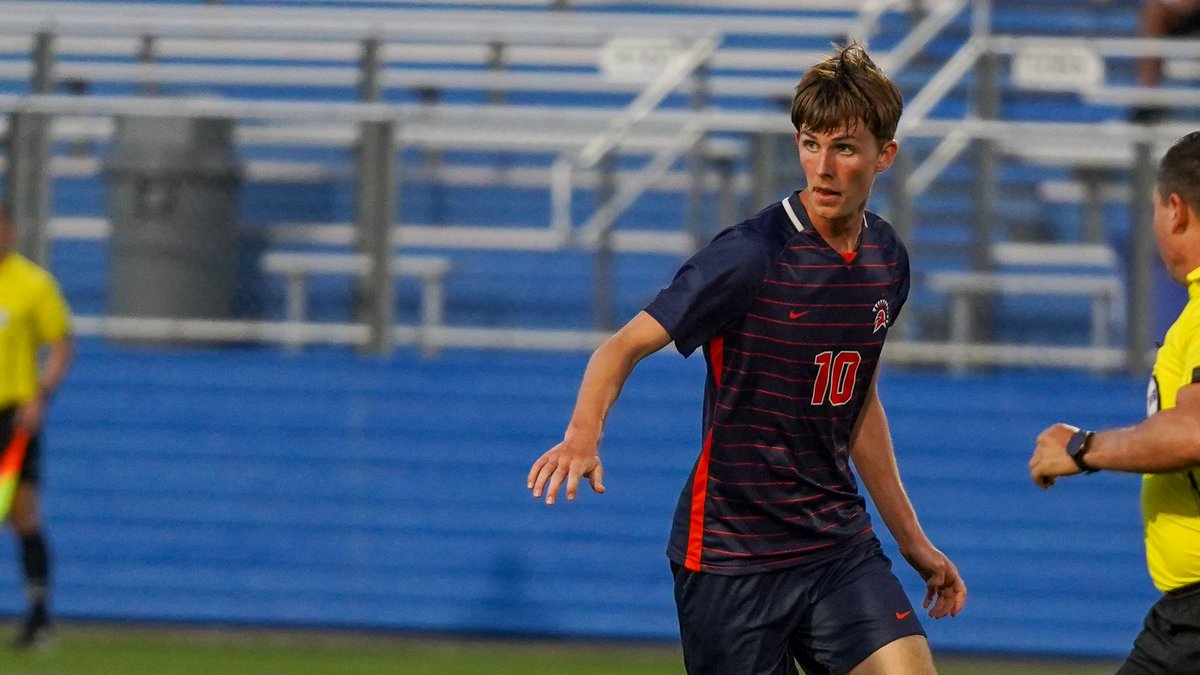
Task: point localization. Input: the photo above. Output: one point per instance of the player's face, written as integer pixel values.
(839, 168)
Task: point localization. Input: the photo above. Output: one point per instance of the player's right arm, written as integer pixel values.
(578, 455)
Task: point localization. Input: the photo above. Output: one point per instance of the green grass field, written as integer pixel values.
(127, 650)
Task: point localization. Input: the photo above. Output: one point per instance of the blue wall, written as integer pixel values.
(329, 489)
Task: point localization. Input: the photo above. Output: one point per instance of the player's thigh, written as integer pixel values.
(861, 609)
(735, 624)
(23, 515)
(905, 656)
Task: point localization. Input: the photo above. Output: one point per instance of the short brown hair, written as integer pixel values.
(1179, 171)
(843, 89)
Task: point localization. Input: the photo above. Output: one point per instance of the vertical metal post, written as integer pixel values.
(368, 71)
(496, 62)
(1138, 319)
(147, 54)
(902, 217)
(603, 307)
(28, 183)
(726, 197)
(981, 18)
(902, 202)
(376, 205)
(762, 178)
(42, 81)
(985, 189)
(697, 162)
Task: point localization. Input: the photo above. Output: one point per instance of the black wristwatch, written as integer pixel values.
(1078, 446)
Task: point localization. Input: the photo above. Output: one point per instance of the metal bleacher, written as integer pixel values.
(486, 101)
(538, 136)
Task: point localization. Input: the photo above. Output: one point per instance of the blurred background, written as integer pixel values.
(336, 268)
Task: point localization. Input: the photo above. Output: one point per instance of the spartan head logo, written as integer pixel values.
(880, 310)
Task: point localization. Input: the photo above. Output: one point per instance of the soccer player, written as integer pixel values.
(773, 553)
(33, 314)
(1166, 445)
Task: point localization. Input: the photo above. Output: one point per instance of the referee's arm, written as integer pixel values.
(1167, 441)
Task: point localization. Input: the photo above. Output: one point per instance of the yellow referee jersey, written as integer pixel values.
(1171, 501)
(32, 313)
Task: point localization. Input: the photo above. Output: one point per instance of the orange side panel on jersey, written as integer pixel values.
(716, 354)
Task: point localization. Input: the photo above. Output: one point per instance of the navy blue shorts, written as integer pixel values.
(31, 469)
(828, 615)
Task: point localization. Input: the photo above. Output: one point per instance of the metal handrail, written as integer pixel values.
(667, 81)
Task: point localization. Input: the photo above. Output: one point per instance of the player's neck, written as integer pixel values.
(843, 233)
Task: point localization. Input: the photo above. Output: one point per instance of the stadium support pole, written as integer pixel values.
(368, 71)
(28, 182)
(1138, 320)
(377, 189)
(147, 54)
(985, 191)
(697, 159)
(902, 214)
(42, 78)
(603, 307)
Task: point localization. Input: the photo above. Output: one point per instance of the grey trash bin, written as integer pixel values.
(172, 200)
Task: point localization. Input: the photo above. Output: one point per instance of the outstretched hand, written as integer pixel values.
(568, 461)
(944, 588)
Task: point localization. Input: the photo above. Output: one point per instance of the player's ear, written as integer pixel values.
(887, 155)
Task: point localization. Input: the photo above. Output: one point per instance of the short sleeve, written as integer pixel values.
(713, 289)
(903, 281)
(1191, 356)
(51, 316)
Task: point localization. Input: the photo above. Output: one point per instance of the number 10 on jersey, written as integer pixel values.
(836, 375)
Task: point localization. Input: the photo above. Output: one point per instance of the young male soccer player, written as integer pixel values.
(32, 314)
(1166, 445)
(772, 549)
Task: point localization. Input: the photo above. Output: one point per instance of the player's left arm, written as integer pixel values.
(1168, 440)
(875, 461)
(54, 329)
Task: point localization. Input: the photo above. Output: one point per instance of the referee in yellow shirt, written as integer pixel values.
(33, 316)
(1166, 445)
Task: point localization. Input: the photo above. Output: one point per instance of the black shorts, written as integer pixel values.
(828, 615)
(31, 469)
(1169, 643)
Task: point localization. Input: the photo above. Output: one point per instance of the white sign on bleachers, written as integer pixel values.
(1057, 67)
(635, 59)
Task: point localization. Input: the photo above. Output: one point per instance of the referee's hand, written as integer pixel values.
(1050, 460)
(568, 461)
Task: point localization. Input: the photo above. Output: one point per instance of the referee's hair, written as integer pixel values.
(1179, 171)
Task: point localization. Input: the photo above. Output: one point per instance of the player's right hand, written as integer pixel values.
(568, 461)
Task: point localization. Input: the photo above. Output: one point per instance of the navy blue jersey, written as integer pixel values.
(792, 334)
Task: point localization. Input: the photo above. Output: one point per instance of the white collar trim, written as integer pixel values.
(787, 206)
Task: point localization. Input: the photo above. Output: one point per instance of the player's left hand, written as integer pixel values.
(29, 415)
(1050, 459)
(945, 590)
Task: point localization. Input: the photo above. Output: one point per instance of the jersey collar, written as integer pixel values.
(799, 217)
(1193, 280)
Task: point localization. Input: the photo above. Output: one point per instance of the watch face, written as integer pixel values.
(1152, 402)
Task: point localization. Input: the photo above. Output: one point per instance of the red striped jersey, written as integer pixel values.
(792, 332)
